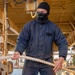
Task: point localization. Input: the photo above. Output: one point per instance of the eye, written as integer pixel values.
(42, 11)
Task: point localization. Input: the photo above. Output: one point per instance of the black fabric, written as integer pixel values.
(42, 17)
(49, 34)
(44, 5)
(63, 57)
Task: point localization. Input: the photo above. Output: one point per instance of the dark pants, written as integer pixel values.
(33, 70)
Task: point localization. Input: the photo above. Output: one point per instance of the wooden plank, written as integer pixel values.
(73, 17)
(72, 24)
(69, 28)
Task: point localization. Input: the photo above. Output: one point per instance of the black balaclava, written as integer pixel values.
(43, 17)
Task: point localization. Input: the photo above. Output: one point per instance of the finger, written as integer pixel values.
(58, 68)
(56, 65)
(14, 58)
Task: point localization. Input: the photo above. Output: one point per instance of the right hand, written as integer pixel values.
(16, 56)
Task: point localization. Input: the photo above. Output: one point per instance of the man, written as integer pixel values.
(36, 39)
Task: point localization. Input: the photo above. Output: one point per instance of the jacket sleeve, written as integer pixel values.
(23, 39)
(61, 42)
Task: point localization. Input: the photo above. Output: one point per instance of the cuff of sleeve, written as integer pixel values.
(63, 57)
(19, 52)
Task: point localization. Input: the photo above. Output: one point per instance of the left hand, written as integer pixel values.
(58, 64)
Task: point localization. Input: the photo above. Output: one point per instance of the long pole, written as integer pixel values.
(5, 28)
(4, 34)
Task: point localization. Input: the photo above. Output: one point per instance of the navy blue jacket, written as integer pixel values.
(37, 40)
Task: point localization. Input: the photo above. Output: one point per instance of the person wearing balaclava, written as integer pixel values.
(36, 40)
(42, 17)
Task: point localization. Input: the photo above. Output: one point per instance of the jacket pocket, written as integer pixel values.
(48, 34)
(49, 39)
